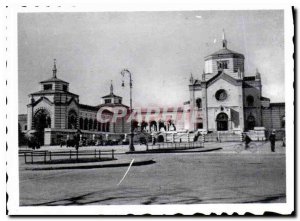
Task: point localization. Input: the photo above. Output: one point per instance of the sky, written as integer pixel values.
(160, 49)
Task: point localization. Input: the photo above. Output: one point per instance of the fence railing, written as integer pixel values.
(30, 156)
(177, 146)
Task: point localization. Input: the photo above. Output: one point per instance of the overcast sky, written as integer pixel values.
(161, 49)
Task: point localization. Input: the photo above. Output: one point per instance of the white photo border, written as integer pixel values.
(11, 91)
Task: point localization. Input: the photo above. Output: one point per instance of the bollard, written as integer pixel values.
(45, 155)
(25, 157)
(99, 154)
(31, 157)
(112, 154)
(50, 154)
(77, 155)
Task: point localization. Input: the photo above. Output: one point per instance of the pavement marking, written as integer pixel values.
(126, 172)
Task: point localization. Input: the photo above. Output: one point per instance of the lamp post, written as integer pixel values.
(123, 72)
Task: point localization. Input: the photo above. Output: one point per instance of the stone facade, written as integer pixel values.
(61, 114)
(224, 99)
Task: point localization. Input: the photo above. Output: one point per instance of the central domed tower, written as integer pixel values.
(228, 61)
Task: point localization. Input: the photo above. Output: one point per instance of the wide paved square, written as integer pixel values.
(176, 178)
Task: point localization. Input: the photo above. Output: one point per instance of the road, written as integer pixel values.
(181, 178)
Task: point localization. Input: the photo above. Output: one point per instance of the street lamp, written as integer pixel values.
(123, 72)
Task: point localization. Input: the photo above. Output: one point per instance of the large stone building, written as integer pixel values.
(59, 113)
(222, 100)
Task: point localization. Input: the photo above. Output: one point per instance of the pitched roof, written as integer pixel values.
(249, 78)
(221, 75)
(39, 100)
(52, 92)
(277, 104)
(224, 52)
(111, 105)
(54, 79)
(88, 107)
(111, 95)
(264, 99)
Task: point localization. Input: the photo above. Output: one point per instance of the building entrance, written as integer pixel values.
(222, 122)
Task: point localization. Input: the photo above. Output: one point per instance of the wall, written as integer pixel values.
(233, 65)
(272, 116)
(252, 88)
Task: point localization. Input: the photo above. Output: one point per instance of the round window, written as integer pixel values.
(221, 95)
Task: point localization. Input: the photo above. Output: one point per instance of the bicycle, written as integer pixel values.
(252, 147)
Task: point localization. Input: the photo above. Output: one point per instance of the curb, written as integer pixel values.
(173, 151)
(139, 163)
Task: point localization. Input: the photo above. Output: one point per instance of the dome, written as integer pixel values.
(224, 53)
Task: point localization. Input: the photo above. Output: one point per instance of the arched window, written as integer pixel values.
(250, 101)
(48, 122)
(107, 127)
(95, 124)
(153, 126)
(81, 124)
(41, 120)
(161, 125)
(85, 125)
(199, 103)
(103, 127)
(72, 120)
(90, 124)
(144, 125)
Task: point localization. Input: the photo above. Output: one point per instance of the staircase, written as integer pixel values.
(256, 135)
(138, 135)
(222, 136)
(180, 137)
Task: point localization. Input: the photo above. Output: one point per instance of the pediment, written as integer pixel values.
(43, 99)
(225, 77)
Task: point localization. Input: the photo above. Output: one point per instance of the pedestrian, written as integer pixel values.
(283, 141)
(154, 141)
(272, 139)
(146, 146)
(247, 141)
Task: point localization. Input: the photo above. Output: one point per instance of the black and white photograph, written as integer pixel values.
(142, 111)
